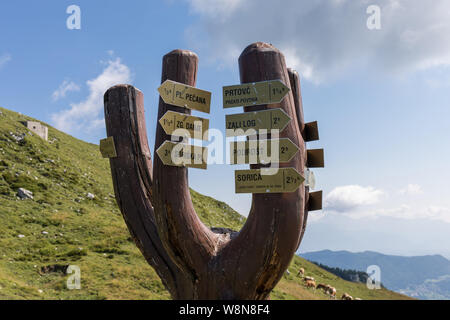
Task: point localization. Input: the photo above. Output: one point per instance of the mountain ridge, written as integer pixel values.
(412, 274)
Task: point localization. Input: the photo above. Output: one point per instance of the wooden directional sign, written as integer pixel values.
(252, 181)
(311, 131)
(242, 124)
(182, 95)
(195, 126)
(107, 148)
(315, 201)
(182, 155)
(260, 151)
(315, 158)
(256, 93)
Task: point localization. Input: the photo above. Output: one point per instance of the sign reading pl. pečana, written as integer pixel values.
(252, 181)
(256, 93)
(196, 126)
(182, 95)
(242, 123)
(182, 155)
(260, 151)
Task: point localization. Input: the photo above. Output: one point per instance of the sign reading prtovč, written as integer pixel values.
(245, 124)
(182, 155)
(255, 93)
(260, 151)
(195, 126)
(182, 95)
(252, 181)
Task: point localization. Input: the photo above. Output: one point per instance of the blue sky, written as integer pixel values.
(381, 97)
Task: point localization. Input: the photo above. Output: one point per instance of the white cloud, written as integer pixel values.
(411, 189)
(323, 38)
(4, 59)
(217, 9)
(86, 115)
(64, 87)
(408, 212)
(349, 198)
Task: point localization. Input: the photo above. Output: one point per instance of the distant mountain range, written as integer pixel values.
(423, 277)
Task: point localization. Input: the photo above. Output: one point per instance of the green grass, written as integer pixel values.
(61, 226)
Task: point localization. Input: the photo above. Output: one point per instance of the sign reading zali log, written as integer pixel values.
(246, 123)
(252, 181)
(195, 126)
(256, 93)
(260, 151)
(183, 155)
(182, 95)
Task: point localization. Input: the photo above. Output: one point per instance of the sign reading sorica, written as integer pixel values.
(252, 181)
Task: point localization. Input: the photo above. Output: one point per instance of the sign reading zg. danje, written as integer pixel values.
(183, 155)
(260, 151)
(182, 95)
(252, 181)
(248, 122)
(196, 127)
(255, 93)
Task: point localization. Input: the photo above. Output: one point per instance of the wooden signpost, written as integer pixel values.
(260, 151)
(185, 156)
(239, 124)
(252, 181)
(196, 126)
(256, 93)
(182, 95)
(193, 260)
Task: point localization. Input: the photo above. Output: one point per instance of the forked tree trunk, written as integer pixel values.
(294, 80)
(193, 261)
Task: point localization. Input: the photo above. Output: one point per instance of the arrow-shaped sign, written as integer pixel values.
(252, 181)
(182, 155)
(245, 124)
(195, 126)
(256, 93)
(260, 151)
(182, 95)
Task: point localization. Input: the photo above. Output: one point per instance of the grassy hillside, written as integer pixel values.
(61, 226)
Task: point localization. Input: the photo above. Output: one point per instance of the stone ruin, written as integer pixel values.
(38, 128)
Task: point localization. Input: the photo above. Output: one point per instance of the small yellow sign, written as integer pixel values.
(182, 95)
(252, 181)
(195, 126)
(260, 151)
(256, 93)
(183, 155)
(250, 123)
(107, 148)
